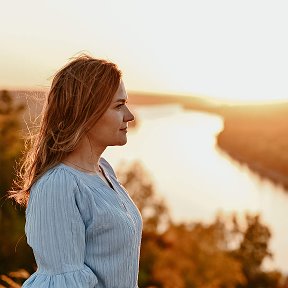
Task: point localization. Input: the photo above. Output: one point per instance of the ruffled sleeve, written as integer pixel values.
(56, 232)
(83, 278)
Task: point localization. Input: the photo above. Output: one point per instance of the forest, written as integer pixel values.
(226, 253)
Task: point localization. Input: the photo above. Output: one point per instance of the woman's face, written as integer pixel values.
(111, 128)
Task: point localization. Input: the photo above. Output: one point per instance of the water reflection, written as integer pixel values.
(196, 178)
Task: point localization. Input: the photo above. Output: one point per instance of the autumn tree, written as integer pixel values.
(10, 139)
(221, 254)
(14, 251)
(253, 249)
(196, 255)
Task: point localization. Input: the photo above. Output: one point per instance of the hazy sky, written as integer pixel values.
(223, 49)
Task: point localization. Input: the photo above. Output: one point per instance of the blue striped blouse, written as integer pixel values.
(83, 233)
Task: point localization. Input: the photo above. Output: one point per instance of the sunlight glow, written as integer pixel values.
(191, 47)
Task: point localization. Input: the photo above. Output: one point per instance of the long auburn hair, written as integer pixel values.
(79, 95)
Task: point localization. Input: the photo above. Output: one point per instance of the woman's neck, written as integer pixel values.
(86, 156)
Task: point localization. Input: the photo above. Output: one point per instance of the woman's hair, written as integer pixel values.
(79, 95)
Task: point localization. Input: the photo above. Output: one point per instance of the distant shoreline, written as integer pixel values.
(258, 168)
(257, 137)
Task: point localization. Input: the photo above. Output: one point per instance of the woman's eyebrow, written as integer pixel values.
(121, 100)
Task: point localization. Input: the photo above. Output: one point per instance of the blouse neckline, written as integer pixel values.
(92, 176)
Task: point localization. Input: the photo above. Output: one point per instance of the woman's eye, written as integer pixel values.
(119, 106)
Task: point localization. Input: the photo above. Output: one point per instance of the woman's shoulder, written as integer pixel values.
(57, 174)
(55, 185)
(65, 178)
(57, 178)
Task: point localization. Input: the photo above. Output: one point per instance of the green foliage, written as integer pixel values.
(13, 255)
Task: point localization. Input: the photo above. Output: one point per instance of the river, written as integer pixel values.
(178, 149)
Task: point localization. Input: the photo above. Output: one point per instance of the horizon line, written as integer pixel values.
(159, 93)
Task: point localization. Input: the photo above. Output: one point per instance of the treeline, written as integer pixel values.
(223, 254)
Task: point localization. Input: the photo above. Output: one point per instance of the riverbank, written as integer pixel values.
(258, 137)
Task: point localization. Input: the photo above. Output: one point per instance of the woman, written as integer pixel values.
(84, 229)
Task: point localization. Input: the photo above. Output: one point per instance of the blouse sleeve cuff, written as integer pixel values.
(84, 278)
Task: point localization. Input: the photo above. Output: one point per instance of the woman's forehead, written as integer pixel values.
(120, 94)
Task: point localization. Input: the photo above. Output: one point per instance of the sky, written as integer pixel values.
(224, 49)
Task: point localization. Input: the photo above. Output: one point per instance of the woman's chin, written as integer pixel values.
(123, 142)
(120, 142)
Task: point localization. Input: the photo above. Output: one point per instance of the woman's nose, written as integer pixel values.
(129, 116)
